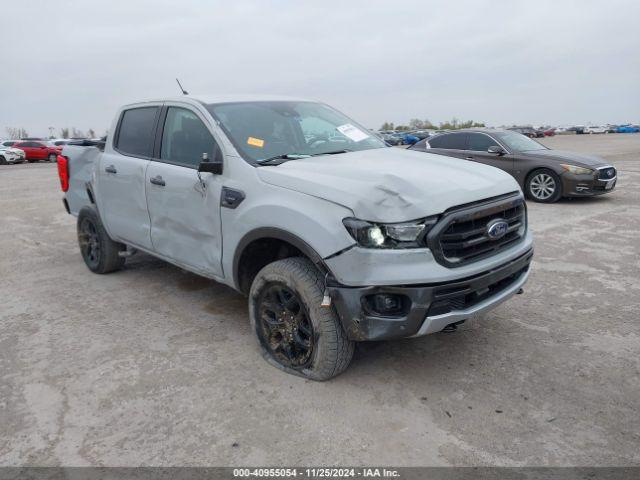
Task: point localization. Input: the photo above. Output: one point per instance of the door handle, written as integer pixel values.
(157, 180)
(111, 169)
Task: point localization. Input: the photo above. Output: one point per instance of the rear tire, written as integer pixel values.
(543, 186)
(99, 252)
(294, 332)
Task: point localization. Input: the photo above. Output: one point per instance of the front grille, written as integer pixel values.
(462, 237)
(606, 173)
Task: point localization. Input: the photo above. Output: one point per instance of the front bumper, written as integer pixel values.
(13, 157)
(586, 185)
(429, 307)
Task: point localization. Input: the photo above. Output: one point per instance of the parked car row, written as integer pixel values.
(549, 131)
(596, 129)
(31, 150)
(405, 137)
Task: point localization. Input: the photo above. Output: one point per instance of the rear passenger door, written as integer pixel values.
(450, 144)
(40, 151)
(185, 211)
(477, 151)
(121, 174)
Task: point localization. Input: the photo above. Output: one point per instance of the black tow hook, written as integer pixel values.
(520, 292)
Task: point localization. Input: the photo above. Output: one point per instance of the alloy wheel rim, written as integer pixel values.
(89, 242)
(284, 326)
(542, 186)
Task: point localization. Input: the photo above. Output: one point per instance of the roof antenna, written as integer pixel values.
(184, 92)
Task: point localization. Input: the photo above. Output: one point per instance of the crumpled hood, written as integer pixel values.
(579, 159)
(391, 184)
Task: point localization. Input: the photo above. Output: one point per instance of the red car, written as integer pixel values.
(38, 150)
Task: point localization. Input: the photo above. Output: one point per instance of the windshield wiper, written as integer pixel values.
(282, 156)
(335, 152)
(295, 156)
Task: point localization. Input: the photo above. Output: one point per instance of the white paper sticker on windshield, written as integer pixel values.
(354, 133)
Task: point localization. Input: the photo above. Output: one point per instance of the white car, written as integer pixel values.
(11, 155)
(595, 129)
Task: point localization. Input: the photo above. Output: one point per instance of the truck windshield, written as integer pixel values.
(264, 130)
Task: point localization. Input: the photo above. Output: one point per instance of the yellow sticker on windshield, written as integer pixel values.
(256, 142)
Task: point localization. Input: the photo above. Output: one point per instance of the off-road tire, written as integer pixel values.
(531, 178)
(104, 258)
(331, 349)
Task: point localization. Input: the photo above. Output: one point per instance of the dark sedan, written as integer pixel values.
(545, 175)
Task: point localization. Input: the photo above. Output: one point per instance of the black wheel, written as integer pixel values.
(295, 333)
(99, 252)
(543, 186)
(3, 161)
(53, 157)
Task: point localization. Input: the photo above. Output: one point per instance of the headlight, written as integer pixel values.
(576, 170)
(389, 235)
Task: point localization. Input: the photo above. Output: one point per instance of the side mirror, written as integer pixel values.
(496, 150)
(207, 166)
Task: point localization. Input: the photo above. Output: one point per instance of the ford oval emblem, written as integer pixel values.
(496, 229)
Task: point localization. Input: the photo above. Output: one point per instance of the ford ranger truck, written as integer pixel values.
(334, 236)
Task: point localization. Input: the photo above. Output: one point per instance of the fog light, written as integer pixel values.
(386, 304)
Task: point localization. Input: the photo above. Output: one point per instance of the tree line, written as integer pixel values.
(417, 124)
(16, 133)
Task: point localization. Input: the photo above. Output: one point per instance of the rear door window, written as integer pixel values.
(136, 131)
(449, 141)
(479, 142)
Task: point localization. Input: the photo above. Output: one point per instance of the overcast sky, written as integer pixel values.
(72, 63)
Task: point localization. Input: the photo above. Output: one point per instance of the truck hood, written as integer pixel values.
(573, 158)
(390, 184)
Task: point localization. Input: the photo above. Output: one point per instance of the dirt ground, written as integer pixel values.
(156, 366)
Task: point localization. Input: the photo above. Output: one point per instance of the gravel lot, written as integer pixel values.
(156, 366)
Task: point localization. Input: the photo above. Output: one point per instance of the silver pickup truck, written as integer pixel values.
(334, 236)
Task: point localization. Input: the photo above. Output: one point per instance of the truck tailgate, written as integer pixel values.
(81, 164)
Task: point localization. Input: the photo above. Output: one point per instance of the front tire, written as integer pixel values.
(99, 252)
(3, 161)
(53, 157)
(543, 186)
(295, 333)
